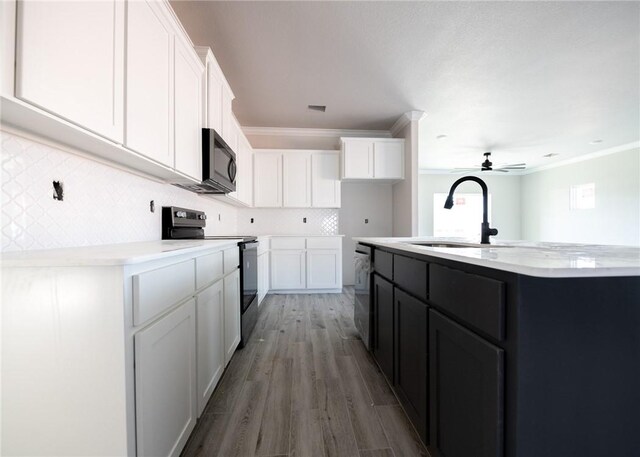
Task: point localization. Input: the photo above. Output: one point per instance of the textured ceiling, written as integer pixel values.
(523, 79)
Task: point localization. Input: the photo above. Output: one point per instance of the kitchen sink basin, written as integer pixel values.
(440, 244)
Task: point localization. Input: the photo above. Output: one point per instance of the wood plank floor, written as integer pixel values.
(305, 385)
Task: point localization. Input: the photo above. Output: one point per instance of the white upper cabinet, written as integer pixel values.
(372, 158)
(325, 180)
(357, 159)
(149, 81)
(388, 159)
(267, 184)
(296, 179)
(244, 184)
(228, 129)
(214, 98)
(70, 62)
(188, 111)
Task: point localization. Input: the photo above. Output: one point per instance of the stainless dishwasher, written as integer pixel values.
(362, 292)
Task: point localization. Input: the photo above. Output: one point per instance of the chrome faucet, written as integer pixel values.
(485, 231)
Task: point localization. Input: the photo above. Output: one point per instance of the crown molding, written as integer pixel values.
(403, 120)
(332, 133)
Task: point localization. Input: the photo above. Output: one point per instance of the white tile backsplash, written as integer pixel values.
(288, 221)
(102, 204)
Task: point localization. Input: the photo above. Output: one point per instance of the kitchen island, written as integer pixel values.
(513, 349)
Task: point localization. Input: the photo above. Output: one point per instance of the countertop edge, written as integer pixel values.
(540, 272)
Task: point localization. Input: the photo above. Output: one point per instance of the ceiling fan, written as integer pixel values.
(487, 165)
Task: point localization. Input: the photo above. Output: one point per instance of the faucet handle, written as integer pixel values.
(493, 231)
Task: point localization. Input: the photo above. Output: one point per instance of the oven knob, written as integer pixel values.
(181, 214)
(202, 216)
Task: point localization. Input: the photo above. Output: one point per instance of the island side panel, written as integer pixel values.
(63, 363)
(579, 367)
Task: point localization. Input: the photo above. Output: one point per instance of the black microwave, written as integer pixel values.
(218, 166)
(218, 162)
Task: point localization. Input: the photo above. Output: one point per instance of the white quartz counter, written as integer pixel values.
(299, 236)
(529, 258)
(112, 254)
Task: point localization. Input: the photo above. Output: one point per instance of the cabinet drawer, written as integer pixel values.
(231, 259)
(208, 268)
(288, 242)
(411, 275)
(476, 300)
(383, 263)
(321, 242)
(156, 290)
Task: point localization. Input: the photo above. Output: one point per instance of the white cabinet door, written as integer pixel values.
(244, 183)
(188, 111)
(388, 159)
(165, 379)
(288, 269)
(357, 159)
(210, 340)
(214, 98)
(149, 81)
(227, 116)
(263, 276)
(325, 179)
(267, 184)
(324, 269)
(232, 296)
(70, 62)
(296, 179)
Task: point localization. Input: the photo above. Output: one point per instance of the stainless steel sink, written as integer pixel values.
(441, 244)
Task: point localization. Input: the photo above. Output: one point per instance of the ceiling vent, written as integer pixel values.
(321, 108)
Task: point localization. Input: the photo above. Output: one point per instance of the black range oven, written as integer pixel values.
(188, 224)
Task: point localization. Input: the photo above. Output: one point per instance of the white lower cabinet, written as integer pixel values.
(231, 314)
(288, 269)
(165, 381)
(311, 263)
(263, 276)
(210, 340)
(323, 269)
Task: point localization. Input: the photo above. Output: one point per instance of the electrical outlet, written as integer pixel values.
(252, 220)
(366, 221)
(152, 206)
(219, 217)
(304, 220)
(58, 191)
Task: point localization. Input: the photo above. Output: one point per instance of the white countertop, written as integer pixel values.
(111, 254)
(298, 236)
(550, 260)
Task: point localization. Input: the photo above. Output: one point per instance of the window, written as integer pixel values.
(463, 220)
(583, 196)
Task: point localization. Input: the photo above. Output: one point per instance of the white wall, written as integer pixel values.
(505, 201)
(102, 204)
(362, 201)
(405, 192)
(546, 214)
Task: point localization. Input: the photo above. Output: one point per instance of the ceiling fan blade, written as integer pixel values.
(502, 170)
(516, 165)
(513, 168)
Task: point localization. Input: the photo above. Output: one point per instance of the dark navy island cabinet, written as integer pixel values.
(489, 363)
